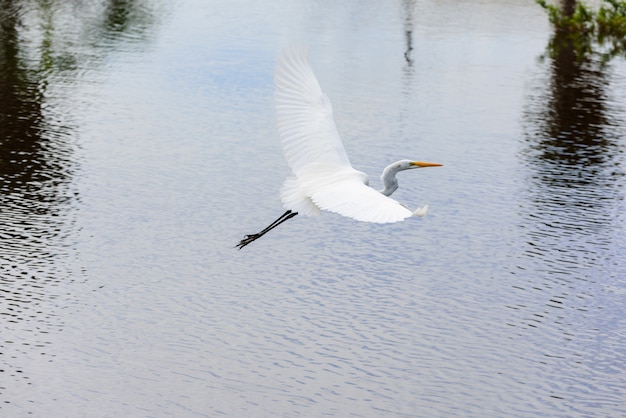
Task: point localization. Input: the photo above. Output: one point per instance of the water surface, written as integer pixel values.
(139, 145)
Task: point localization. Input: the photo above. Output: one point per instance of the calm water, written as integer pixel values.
(138, 146)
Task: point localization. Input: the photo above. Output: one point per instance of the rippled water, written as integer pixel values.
(137, 146)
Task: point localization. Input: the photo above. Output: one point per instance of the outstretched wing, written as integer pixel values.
(315, 153)
(350, 197)
(305, 117)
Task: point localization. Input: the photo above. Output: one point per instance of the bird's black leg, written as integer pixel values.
(288, 214)
(249, 238)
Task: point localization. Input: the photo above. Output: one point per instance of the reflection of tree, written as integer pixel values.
(43, 45)
(573, 139)
(21, 116)
(571, 149)
(575, 116)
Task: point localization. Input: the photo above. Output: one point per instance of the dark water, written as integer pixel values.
(137, 146)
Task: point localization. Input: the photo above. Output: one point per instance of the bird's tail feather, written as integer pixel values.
(293, 198)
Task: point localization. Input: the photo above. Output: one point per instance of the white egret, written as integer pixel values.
(321, 174)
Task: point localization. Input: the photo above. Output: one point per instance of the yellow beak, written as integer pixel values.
(424, 164)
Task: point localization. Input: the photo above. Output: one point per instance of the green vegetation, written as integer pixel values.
(587, 31)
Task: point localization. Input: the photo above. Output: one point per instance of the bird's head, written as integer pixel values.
(389, 173)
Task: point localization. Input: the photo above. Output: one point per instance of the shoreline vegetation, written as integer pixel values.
(589, 32)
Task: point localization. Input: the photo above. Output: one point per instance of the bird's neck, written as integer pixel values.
(390, 182)
(390, 188)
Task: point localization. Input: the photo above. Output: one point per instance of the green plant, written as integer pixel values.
(587, 31)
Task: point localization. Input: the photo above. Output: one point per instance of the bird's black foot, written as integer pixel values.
(247, 240)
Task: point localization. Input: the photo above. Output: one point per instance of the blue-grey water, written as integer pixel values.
(138, 145)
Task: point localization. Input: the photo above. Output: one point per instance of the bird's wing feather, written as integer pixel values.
(349, 196)
(314, 150)
(305, 117)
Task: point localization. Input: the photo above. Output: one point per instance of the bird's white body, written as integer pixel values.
(322, 176)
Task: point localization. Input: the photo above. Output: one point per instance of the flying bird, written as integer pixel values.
(322, 177)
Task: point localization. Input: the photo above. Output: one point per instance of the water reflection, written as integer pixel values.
(35, 170)
(571, 152)
(43, 51)
(408, 7)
